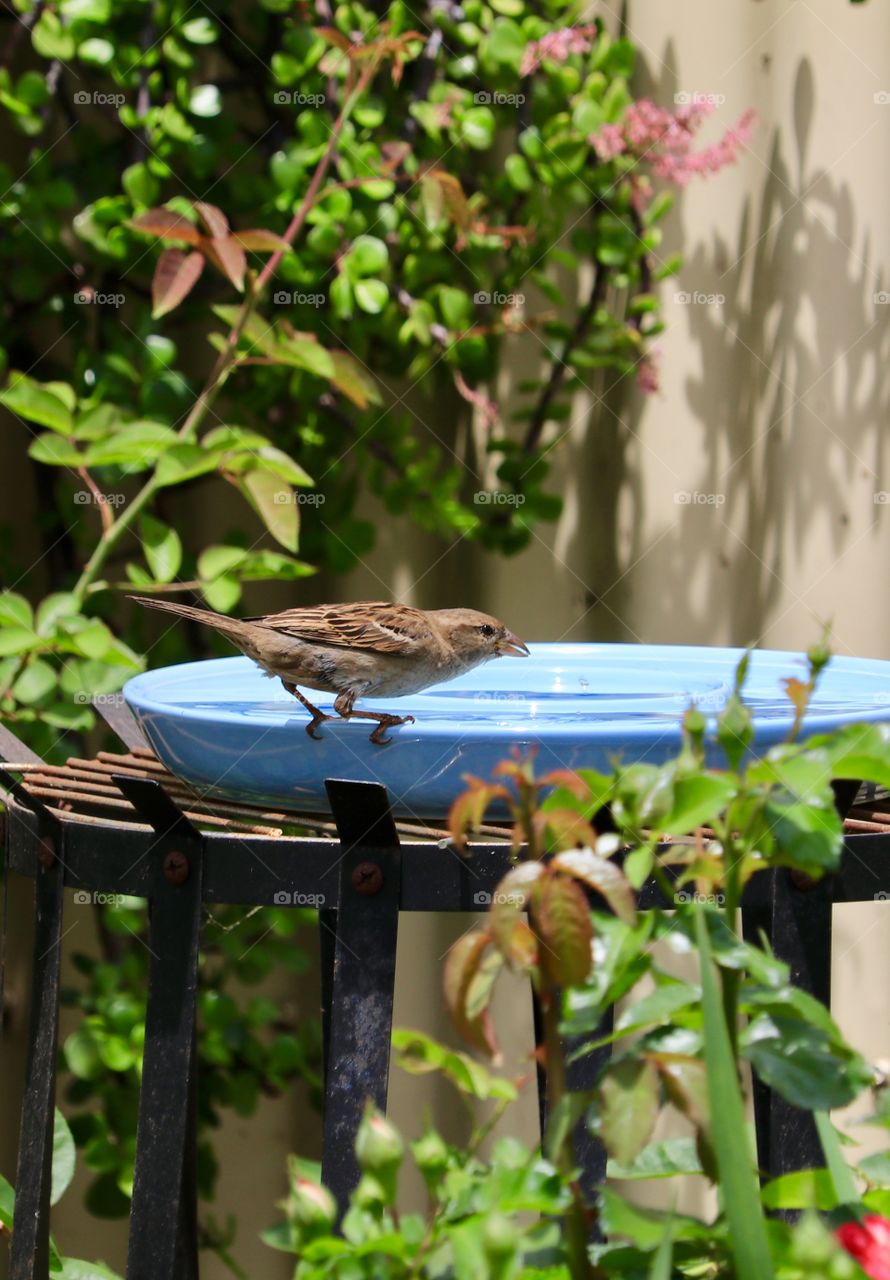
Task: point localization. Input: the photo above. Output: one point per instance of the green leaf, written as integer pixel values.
(162, 548)
(136, 445)
(7, 1203)
(34, 403)
(205, 101)
(36, 681)
(55, 451)
(698, 801)
(184, 462)
(371, 295)
(14, 640)
(738, 1179)
(799, 1061)
(53, 609)
(477, 128)
(223, 593)
(367, 257)
(274, 503)
(841, 1176)
(627, 1107)
(664, 1159)
(50, 39)
(96, 50)
(140, 184)
(804, 1189)
(15, 610)
(662, 1268)
(76, 1269)
(63, 1158)
(214, 561)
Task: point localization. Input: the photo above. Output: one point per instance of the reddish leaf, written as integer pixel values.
(259, 241)
(512, 936)
(562, 922)
(336, 38)
(461, 968)
(175, 275)
(566, 828)
(468, 809)
(686, 1082)
(230, 258)
(214, 219)
(167, 225)
(353, 380)
(566, 778)
(799, 692)
(603, 876)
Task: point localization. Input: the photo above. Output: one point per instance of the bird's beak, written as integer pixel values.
(511, 646)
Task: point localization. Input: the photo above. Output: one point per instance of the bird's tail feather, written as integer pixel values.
(228, 626)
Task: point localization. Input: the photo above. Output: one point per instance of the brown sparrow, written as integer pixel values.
(369, 647)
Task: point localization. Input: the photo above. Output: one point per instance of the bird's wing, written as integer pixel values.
(378, 626)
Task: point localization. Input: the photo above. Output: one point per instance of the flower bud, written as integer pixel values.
(311, 1206)
(500, 1238)
(430, 1153)
(378, 1145)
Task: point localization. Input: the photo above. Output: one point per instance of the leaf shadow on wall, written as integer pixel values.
(791, 395)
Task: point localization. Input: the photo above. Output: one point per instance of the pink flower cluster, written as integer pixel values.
(665, 139)
(556, 46)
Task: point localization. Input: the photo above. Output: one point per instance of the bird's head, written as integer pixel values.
(477, 636)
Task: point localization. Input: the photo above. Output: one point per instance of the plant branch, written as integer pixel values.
(561, 363)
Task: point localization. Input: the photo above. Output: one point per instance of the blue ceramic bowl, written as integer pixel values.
(230, 731)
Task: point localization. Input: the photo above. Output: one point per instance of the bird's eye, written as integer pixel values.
(486, 629)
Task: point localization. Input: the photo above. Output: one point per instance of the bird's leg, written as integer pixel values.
(318, 717)
(343, 706)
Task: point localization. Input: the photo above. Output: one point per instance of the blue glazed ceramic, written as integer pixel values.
(230, 731)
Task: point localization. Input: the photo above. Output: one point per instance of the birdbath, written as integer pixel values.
(228, 730)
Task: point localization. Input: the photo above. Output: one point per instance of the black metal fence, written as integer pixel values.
(366, 875)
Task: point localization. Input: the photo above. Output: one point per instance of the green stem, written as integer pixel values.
(226, 358)
(730, 978)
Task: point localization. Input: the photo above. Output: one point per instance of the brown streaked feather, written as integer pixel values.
(367, 624)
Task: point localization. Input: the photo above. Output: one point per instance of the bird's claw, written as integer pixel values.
(377, 736)
(313, 725)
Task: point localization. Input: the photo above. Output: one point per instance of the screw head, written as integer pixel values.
(176, 867)
(367, 879)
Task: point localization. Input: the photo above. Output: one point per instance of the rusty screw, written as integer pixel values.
(176, 867)
(46, 852)
(367, 879)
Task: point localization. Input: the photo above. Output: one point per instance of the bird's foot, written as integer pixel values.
(318, 716)
(387, 722)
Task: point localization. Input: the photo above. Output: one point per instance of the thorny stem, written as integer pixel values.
(225, 361)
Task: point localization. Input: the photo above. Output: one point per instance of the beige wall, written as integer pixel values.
(776, 399)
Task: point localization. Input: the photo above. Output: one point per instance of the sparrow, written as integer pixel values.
(368, 648)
